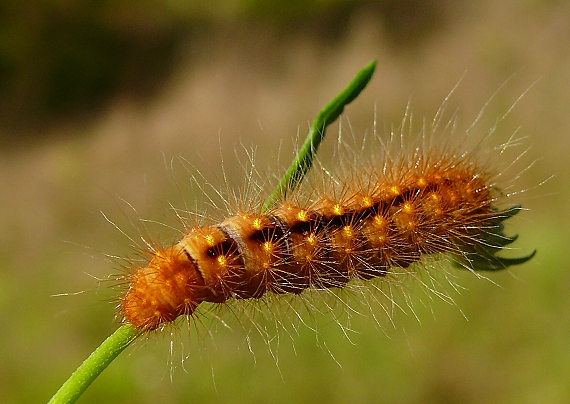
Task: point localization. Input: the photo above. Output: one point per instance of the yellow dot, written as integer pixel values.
(347, 230)
(407, 207)
(338, 209)
(257, 223)
(268, 246)
(421, 182)
(395, 190)
(367, 201)
(303, 216)
(222, 260)
(379, 220)
(210, 240)
(311, 239)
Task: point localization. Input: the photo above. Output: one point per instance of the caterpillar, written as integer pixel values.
(389, 214)
(372, 224)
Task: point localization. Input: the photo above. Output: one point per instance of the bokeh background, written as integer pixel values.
(98, 97)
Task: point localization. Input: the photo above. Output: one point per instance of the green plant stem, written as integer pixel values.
(72, 389)
(78, 382)
(304, 159)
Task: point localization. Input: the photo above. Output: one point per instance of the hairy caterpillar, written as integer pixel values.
(368, 225)
(389, 214)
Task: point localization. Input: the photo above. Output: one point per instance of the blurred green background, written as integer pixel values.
(98, 97)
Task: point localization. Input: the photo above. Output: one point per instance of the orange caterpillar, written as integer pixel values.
(438, 204)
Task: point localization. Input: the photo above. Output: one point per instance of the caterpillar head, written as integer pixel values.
(169, 286)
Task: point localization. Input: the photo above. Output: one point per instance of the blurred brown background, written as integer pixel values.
(96, 96)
